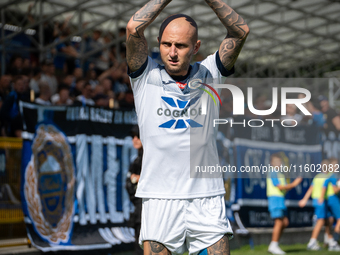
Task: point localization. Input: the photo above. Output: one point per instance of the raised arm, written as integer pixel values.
(136, 45)
(237, 29)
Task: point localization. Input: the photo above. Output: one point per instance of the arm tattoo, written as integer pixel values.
(237, 32)
(137, 49)
(220, 248)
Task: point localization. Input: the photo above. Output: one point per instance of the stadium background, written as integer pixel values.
(288, 39)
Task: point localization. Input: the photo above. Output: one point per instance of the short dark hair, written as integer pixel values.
(166, 22)
(63, 86)
(17, 77)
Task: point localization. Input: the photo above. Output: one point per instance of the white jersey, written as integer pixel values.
(177, 136)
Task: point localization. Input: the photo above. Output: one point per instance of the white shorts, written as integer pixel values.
(184, 224)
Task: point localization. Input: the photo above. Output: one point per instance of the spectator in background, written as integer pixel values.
(317, 115)
(291, 113)
(68, 80)
(64, 51)
(26, 80)
(26, 67)
(86, 96)
(331, 117)
(107, 86)
(92, 78)
(78, 88)
(127, 101)
(78, 73)
(15, 65)
(5, 86)
(9, 113)
(98, 90)
(49, 77)
(101, 100)
(94, 44)
(121, 80)
(63, 96)
(34, 82)
(45, 94)
(103, 62)
(131, 186)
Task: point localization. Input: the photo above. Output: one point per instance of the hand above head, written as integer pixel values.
(136, 44)
(237, 29)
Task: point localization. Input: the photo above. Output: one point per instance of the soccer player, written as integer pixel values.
(276, 190)
(320, 208)
(328, 193)
(180, 213)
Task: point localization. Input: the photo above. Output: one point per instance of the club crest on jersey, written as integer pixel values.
(49, 185)
(181, 85)
(180, 112)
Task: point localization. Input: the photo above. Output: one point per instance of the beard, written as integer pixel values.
(177, 70)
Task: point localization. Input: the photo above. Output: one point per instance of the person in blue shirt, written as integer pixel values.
(276, 190)
(329, 191)
(320, 208)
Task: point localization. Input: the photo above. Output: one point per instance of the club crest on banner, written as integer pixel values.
(49, 185)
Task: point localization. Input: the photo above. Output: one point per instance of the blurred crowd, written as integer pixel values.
(61, 79)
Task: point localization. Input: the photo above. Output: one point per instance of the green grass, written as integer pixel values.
(296, 249)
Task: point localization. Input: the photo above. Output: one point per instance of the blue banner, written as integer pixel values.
(74, 166)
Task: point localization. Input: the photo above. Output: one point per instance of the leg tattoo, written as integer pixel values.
(220, 248)
(153, 248)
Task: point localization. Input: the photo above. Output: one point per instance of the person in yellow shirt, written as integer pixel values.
(329, 191)
(320, 208)
(276, 190)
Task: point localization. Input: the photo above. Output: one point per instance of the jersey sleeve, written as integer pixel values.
(224, 71)
(139, 78)
(331, 180)
(274, 179)
(214, 65)
(217, 70)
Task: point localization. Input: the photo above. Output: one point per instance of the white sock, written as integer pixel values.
(312, 240)
(274, 243)
(326, 238)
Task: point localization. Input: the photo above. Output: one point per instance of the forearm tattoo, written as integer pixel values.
(137, 49)
(237, 32)
(220, 248)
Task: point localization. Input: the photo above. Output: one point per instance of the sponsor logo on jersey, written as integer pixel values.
(180, 112)
(181, 85)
